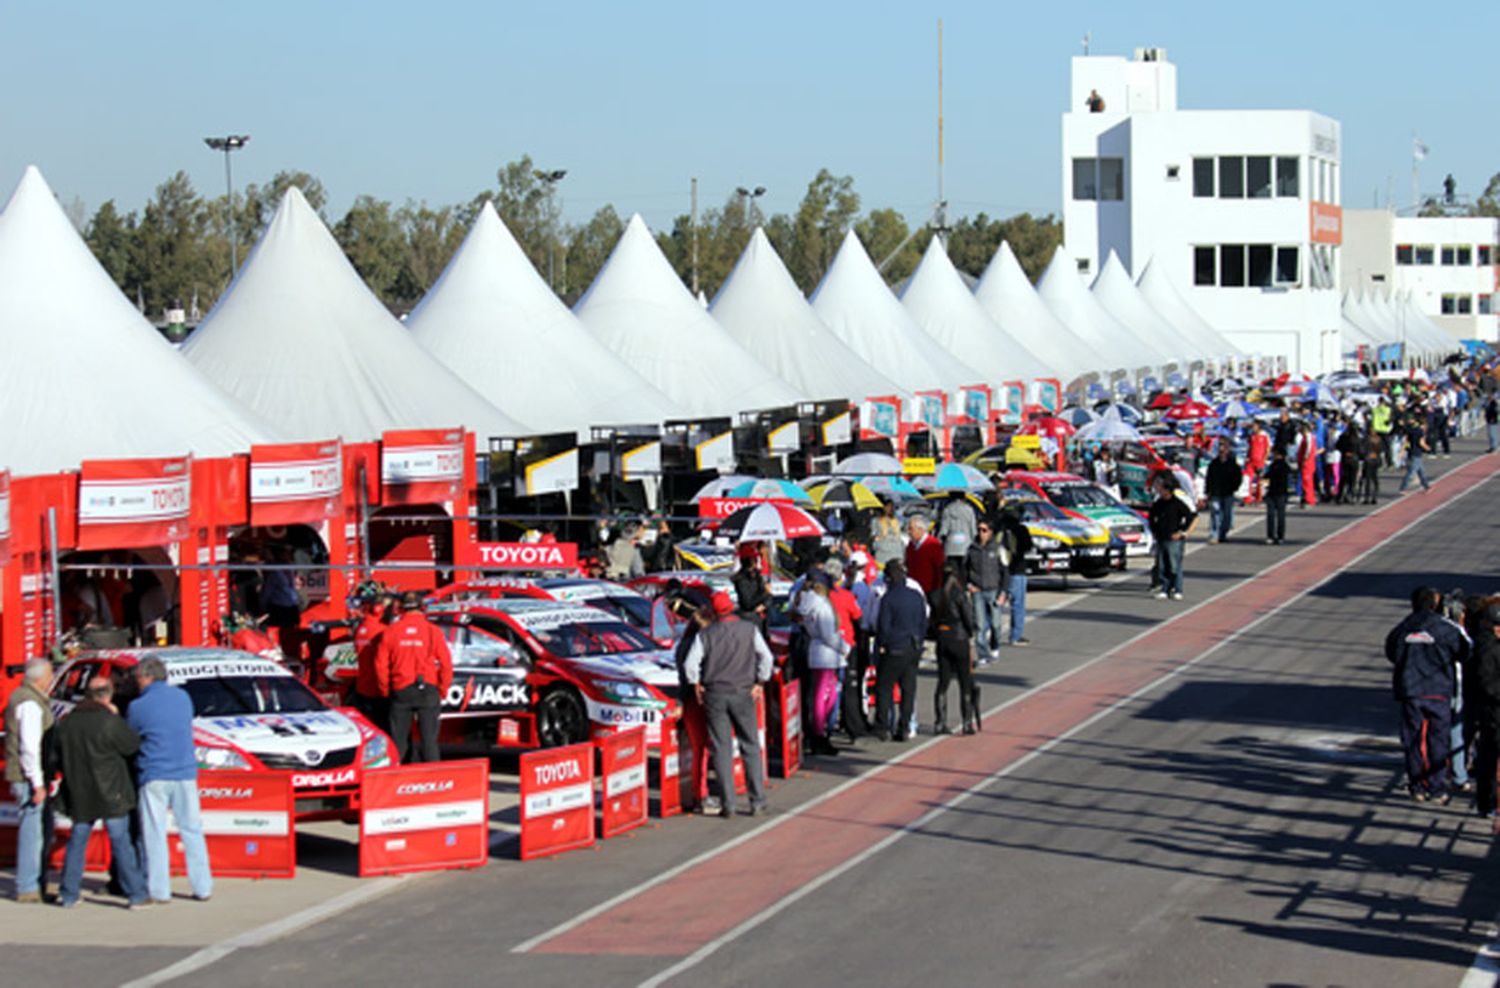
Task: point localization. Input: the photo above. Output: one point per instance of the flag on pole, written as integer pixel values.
(1418, 149)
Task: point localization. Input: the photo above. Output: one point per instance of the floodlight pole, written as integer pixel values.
(229, 144)
(749, 195)
(550, 178)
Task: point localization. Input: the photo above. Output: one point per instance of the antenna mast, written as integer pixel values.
(940, 214)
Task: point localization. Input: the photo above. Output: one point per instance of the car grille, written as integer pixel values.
(337, 758)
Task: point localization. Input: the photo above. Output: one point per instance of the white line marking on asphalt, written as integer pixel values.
(1484, 963)
(1485, 971)
(213, 953)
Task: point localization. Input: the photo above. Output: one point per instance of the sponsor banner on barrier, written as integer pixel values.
(422, 466)
(723, 507)
(527, 555)
(295, 483)
(425, 817)
(4, 517)
(247, 824)
(127, 503)
(622, 759)
(669, 775)
(791, 728)
(557, 800)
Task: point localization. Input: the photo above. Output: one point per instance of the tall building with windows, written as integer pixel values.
(1239, 207)
(1450, 265)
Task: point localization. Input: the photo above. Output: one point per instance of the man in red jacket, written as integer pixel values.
(414, 668)
(924, 556)
(368, 699)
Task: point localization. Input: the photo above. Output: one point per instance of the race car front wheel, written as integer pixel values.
(561, 718)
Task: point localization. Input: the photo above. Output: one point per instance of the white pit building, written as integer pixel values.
(1239, 207)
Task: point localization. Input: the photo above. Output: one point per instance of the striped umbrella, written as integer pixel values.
(769, 523)
(784, 490)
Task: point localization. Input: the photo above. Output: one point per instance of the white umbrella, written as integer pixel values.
(861, 464)
(720, 486)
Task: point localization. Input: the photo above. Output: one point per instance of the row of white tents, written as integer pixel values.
(298, 348)
(1379, 320)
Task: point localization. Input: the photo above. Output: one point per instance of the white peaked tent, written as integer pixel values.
(1351, 334)
(1121, 299)
(1007, 296)
(760, 306)
(84, 376)
(640, 310)
(301, 340)
(1353, 312)
(942, 305)
(1422, 335)
(1159, 292)
(493, 321)
(1442, 341)
(854, 301)
(1064, 292)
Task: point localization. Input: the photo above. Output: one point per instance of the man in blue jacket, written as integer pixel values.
(168, 769)
(899, 632)
(1424, 649)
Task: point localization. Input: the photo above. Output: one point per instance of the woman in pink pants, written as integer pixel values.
(825, 653)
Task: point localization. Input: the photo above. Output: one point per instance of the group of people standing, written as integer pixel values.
(96, 766)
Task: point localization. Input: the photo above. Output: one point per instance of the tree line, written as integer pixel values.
(176, 247)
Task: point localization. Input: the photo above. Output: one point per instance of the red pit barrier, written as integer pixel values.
(247, 824)
(622, 761)
(96, 858)
(669, 772)
(791, 728)
(557, 800)
(425, 817)
(740, 785)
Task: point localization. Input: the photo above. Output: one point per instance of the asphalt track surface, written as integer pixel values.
(1191, 793)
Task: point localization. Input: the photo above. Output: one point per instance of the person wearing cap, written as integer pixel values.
(414, 669)
(368, 700)
(1423, 650)
(899, 633)
(727, 666)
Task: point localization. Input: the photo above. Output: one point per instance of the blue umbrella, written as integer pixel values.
(889, 487)
(1098, 392)
(771, 488)
(956, 477)
(1077, 416)
(1176, 380)
(1127, 413)
(1236, 409)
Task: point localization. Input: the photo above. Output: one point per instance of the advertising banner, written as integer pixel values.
(723, 507)
(1012, 402)
(791, 728)
(931, 408)
(716, 453)
(247, 821)
(425, 817)
(4, 517)
(127, 503)
(976, 402)
(1049, 394)
(1325, 223)
(296, 483)
(882, 417)
(622, 761)
(553, 475)
(642, 461)
(557, 800)
(838, 430)
(669, 774)
(784, 438)
(422, 466)
(527, 555)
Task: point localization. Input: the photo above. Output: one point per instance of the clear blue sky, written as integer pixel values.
(424, 100)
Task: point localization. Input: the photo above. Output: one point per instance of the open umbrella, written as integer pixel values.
(893, 488)
(1163, 400)
(1078, 416)
(1109, 429)
(955, 477)
(784, 490)
(1188, 411)
(1126, 413)
(866, 463)
(769, 523)
(1235, 409)
(843, 494)
(720, 486)
(1047, 425)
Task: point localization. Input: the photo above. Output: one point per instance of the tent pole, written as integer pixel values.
(55, 576)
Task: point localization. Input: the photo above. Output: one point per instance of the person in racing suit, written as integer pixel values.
(414, 669)
(367, 698)
(1424, 649)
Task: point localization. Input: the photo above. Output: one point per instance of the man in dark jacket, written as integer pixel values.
(1171, 520)
(899, 633)
(1424, 649)
(1484, 694)
(1278, 489)
(95, 746)
(984, 571)
(1221, 485)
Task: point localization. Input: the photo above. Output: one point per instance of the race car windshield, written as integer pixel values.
(1041, 511)
(1080, 496)
(636, 611)
(573, 641)
(228, 695)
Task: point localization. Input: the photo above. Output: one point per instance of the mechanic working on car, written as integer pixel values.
(167, 769)
(95, 746)
(414, 669)
(28, 741)
(727, 665)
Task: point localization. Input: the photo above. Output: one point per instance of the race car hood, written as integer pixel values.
(1112, 517)
(290, 734)
(656, 668)
(1071, 531)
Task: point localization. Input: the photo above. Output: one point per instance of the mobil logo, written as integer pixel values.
(553, 773)
(424, 788)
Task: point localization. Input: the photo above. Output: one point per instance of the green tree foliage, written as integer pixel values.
(1488, 203)
(259, 202)
(974, 240)
(169, 252)
(371, 236)
(890, 244)
(826, 213)
(109, 235)
(431, 238)
(589, 247)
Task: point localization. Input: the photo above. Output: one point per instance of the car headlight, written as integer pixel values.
(222, 759)
(624, 690)
(1045, 542)
(377, 751)
(1093, 530)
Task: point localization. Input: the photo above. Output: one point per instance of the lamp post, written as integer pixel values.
(228, 145)
(750, 195)
(550, 178)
